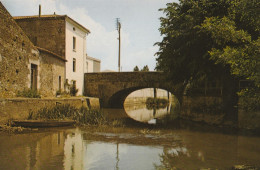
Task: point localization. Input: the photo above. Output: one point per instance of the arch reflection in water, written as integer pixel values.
(136, 107)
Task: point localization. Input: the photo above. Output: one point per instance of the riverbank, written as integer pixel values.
(20, 108)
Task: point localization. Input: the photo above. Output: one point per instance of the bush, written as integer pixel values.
(157, 103)
(29, 93)
(62, 93)
(249, 99)
(73, 90)
(61, 112)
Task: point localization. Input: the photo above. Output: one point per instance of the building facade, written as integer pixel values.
(92, 65)
(24, 65)
(63, 36)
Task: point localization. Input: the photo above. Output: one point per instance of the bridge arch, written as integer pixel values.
(117, 99)
(113, 87)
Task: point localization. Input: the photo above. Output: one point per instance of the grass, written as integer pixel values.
(81, 115)
(28, 93)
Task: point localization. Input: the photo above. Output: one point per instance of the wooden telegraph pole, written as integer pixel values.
(118, 27)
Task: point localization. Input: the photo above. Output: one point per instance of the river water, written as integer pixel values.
(135, 146)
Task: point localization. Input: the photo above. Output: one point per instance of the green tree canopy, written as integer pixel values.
(145, 68)
(136, 68)
(210, 39)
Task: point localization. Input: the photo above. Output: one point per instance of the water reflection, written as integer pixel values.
(75, 149)
(140, 112)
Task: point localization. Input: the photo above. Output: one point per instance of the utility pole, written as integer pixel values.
(118, 27)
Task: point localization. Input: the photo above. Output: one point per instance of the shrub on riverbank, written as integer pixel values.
(156, 103)
(28, 93)
(82, 115)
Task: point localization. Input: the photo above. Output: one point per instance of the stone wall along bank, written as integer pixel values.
(19, 108)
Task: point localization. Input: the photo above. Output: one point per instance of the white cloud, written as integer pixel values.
(101, 42)
(140, 58)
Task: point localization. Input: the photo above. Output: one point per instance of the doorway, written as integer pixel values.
(34, 74)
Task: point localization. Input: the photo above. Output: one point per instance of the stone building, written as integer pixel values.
(62, 35)
(52, 75)
(92, 65)
(24, 65)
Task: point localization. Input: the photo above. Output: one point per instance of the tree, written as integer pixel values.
(136, 68)
(145, 68)
(208, 39)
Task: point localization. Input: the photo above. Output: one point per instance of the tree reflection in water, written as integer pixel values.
(178, 158)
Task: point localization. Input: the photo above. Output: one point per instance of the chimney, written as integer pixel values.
(40, 10)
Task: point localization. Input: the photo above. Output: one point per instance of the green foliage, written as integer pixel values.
(118, 123)
(249, 100)
(28, 93)
(62, 93)
(58, 92)
(136, 68)
(208, 39)
(145, 68)
(73, 90)
(61, 112)
(156, 103)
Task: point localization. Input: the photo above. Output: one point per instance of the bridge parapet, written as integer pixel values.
(113, 87)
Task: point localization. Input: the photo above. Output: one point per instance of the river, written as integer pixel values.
(135, 146)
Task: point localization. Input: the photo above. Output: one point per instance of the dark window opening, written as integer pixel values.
(74, 43)
(59, 82)
(74, 65)
(34, 73)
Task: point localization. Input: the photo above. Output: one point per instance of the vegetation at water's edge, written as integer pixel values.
(82, 115)
(28, 93)
(157, 103)
(249, 100)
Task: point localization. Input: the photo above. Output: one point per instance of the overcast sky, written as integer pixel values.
(139, 19)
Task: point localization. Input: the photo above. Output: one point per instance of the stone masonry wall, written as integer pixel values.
(203, 109)
(15, 52)
(19, 108)
(51, 69)
(48, 33)
(113, 87)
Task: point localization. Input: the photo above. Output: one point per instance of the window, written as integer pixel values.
(74, 43)
(74, 65)
(59, 82)
(34, 73)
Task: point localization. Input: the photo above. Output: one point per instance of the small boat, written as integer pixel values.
(43, 123)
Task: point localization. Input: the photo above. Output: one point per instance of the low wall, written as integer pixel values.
(19, 108)
(203, 109)
(249, 120)
(210, 110)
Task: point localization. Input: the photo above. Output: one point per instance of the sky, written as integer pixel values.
(139, 19)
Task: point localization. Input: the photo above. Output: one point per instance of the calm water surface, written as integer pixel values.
(137, 147)
(124, 148)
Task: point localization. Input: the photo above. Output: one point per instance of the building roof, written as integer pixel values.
(95, 59)
(108, 71)
(52, 53)
(53, 16)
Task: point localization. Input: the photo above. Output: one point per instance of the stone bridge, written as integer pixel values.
(112, 88)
